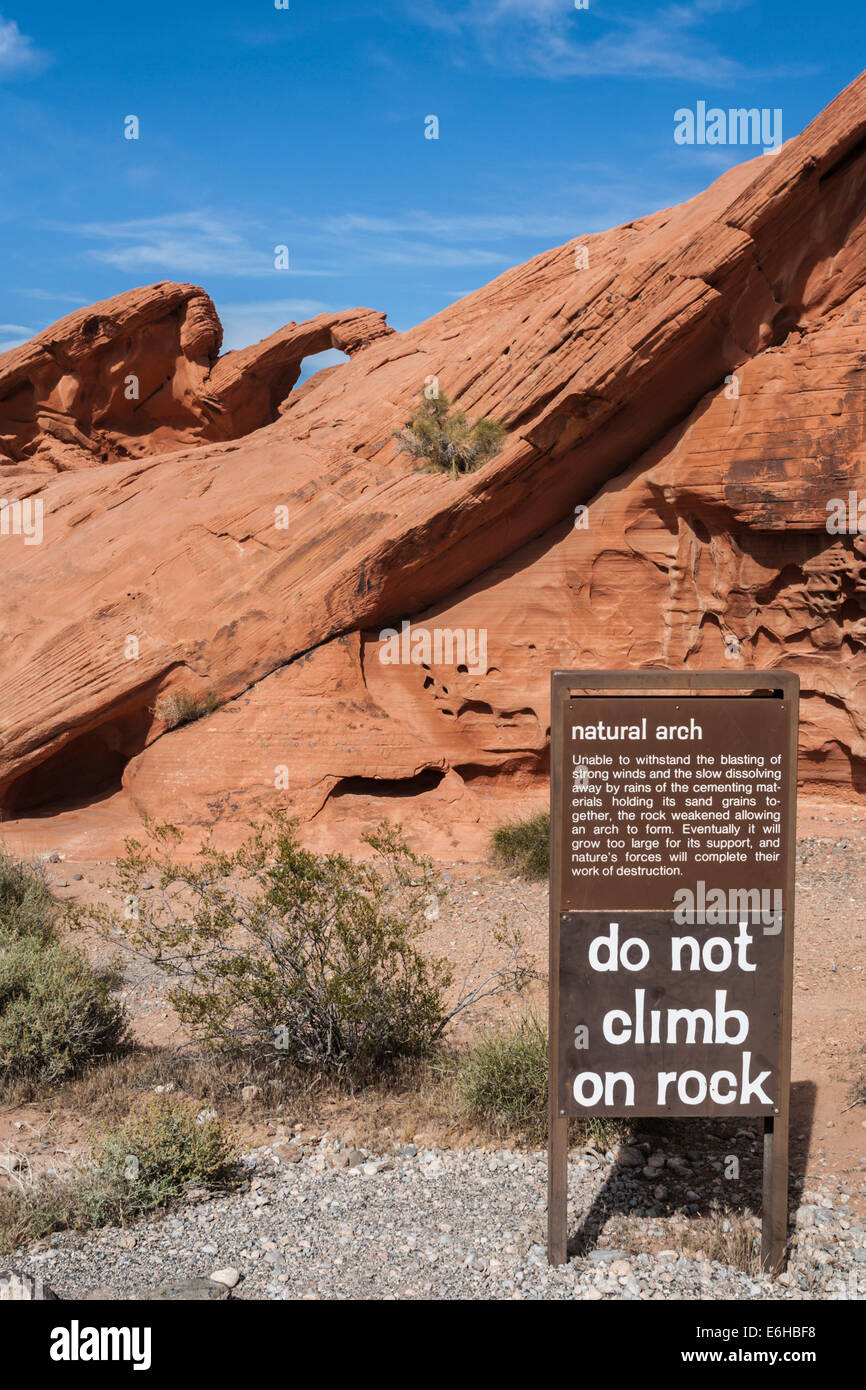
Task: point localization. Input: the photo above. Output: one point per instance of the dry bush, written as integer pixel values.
(729, 1237)
(182, 707)
(150, 1161)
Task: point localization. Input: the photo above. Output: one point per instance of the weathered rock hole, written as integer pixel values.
(425, 781)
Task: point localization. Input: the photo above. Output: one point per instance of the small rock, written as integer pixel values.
(627, 1156)
(192, 1289)
(288, 1153)
(227, 1276)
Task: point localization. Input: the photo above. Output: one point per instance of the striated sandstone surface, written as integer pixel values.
(698, 387)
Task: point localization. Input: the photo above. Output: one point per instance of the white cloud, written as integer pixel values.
(415, 238)
(18, 55)
(427, 253)
(12, 335)
(550, 38)
(197, 243)
(52, 297)
(494, 227)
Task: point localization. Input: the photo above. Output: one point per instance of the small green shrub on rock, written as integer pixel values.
(160, 1153)
(447, 440)
(27, 907)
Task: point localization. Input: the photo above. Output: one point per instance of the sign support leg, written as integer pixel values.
(557, 1187)
(774, 1224)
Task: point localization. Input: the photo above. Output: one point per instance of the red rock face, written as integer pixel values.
(140, 374)
(681, 410)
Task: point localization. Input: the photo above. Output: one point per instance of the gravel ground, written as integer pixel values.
(323, 1221)
(470, 1223)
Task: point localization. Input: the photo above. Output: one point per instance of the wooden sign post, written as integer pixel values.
(672, 850)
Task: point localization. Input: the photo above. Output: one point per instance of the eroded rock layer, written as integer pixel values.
(681, 410)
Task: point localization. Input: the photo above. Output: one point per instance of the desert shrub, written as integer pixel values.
(27, 907)
(58, 1012)
(732, 1237)
(182, 707)
(502, 1085)
(315, 960)
(447, 440)
(503, 1081)
(157, 1155)
(145, 1164)
(523, 846)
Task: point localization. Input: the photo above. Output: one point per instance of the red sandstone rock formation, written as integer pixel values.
(140, 374)
(698, 387)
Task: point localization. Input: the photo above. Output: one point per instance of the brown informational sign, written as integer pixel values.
(672, 882)
(664, 793)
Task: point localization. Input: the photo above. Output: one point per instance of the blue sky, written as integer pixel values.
(306, 127)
